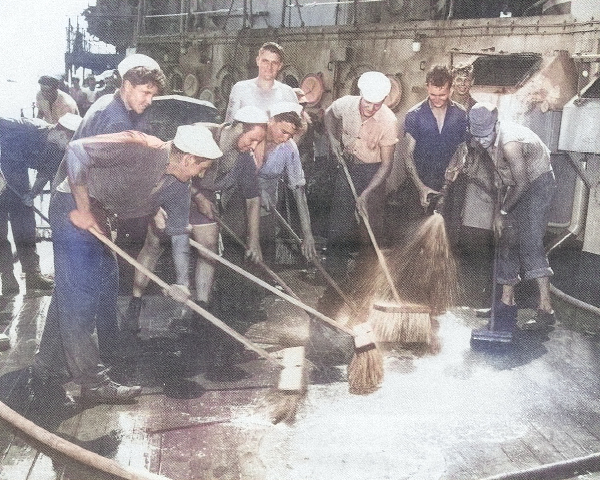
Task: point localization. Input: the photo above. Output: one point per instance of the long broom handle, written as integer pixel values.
(42, 216)
(316, 262)
(365, 218)
(73, 451)
(260, 263)
(210, 254)
(210, 317)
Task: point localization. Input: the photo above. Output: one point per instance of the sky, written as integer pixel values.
(33, 36)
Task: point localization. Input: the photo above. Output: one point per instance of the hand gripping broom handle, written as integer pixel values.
(316, 263)
(211, 318)
(365, 218)
(210, 254)
(260, 263)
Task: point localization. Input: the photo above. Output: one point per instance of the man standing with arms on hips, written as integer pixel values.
(264, 90)
(364, 131)
(131, 175)
(434, 128)
(524, 175)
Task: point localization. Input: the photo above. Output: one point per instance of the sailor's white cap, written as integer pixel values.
(70, 121)
(137, 60)
(197, 140)
(374, 86)
(284, 107)
(251, 114)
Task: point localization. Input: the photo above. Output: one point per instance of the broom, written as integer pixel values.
(400, 322)
(365, 371)
(293, 386)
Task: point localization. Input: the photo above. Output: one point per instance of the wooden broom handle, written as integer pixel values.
(210, 254)
(365, 218)
(71, 450)
(260, 263)
(210, 317)
(317, 263)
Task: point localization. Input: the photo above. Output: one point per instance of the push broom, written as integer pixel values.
(292, 377)
(392, 322)
(491, 335)
(365, 371)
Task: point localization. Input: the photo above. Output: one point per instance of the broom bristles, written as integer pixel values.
(285, 405)
(365, 371)
(401, 324)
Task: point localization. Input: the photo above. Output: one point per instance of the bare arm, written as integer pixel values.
(516, 162)
(308, 242)
(411, 168)
(253, 218)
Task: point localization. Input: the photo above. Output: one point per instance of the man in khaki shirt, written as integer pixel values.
(363, 131)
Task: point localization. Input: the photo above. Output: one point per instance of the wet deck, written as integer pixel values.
(452, 413)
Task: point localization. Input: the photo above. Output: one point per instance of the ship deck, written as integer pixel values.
(449, 412)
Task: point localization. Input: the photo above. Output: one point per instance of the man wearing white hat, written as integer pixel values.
(27, 143)
(151, 174)
(280, 157)
(141, 80)
(264, 90)
(364, 131)
(230, 176)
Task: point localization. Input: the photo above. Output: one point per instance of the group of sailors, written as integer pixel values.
(112, 167)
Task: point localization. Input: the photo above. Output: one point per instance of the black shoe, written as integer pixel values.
(131, 322)
(109, 392)
(37, 281)
(10, 286)
(47, 389)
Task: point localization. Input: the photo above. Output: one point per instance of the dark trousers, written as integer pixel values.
(22, 223)
(84, 300)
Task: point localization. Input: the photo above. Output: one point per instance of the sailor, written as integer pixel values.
(281, 157)
(525, 177)
(434, 129)
(24, 144)
(264, 90)
(142, 79)
(364, 132)
(234, 173)
(151, 174)
(51, 102)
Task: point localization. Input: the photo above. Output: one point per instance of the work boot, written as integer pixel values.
(109, 392)
(131, 322)
(10, 286)
(37, 281)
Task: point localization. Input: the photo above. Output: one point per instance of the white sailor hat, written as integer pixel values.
(70, 121)
(374, 86)
(197, 140)
(137, 60)
(251, 114)
(284, 107)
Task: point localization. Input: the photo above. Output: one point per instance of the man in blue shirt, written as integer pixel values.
(434, 128)
(24, 144)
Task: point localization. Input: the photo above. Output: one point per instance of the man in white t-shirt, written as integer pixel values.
(264, 90)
